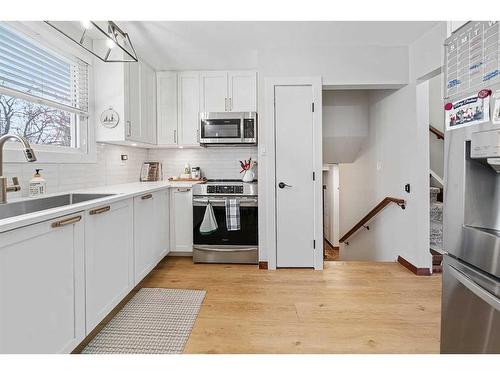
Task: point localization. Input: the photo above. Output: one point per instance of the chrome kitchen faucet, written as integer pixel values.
(30, 157)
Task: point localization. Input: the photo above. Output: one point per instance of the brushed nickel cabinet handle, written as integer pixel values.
(175, 136)
(183, 190)
(62, 223)
(129, 128)
(147, 196)
(101, 210)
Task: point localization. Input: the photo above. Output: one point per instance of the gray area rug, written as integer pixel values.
(154, 321)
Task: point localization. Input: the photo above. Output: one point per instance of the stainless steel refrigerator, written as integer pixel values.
(471, 273)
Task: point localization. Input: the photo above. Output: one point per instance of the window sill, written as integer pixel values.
(12, 153)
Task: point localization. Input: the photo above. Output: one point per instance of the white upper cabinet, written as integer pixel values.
(166, 107)
(129, 90)
(132, 97)
(181, 96)
(214, 94)
(188, 107)
(228, 91)
(242, 88)
(148, 104)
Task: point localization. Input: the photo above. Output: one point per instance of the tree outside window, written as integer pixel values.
(38, 123)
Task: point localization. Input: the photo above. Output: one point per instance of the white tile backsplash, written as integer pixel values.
(221, 162)
(215, 163)
(108, 170)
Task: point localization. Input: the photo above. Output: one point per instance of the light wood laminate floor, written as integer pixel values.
(350, 307)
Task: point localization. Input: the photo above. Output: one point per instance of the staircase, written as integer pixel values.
(436, 234)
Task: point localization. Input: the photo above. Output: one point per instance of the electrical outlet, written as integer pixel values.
(407, 188)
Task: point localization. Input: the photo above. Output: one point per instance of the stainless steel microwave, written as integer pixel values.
(228, 128)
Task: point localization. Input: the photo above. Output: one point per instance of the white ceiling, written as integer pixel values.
(234, 45)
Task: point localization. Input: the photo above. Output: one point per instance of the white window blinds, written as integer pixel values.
(35, 73)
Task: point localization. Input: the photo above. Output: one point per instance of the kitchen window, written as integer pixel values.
(44, 95)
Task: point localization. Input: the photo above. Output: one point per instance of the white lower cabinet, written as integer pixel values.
(109, 258)
(151, 231)
(181, 220)
(60, 278)
(42, 291)
(162, 220)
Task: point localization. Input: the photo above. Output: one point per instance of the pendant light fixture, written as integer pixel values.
(103, 39)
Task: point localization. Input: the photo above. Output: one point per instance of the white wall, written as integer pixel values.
(436, 119)
(331, 203)
(345, 124)
(399, 154)
(357, 194)
(108, 170)
(382, 170)
(215, 163)
(337, 66)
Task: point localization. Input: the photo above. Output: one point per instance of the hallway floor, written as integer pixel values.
(350, 307)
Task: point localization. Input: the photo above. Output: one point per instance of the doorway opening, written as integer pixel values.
(331, 249)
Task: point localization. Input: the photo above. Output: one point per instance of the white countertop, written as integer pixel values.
(121, 191)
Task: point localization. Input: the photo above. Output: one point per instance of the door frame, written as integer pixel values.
(270, 135)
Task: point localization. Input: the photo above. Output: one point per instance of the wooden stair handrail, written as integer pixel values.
(438, 133)
(379, 207)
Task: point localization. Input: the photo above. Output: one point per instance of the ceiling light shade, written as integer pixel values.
(103, 39)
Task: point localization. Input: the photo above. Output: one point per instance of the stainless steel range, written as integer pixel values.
(223, 245)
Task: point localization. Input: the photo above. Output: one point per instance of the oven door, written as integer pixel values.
(247, 236)
(223, 130)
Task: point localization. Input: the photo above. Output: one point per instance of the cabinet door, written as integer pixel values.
(214, 93)
(188, 107)
(162, 223)
(181, 220)
(133, 126)
(148, 104)
(242, 91)
(144, 237)
(166, 88)
(108, 258)
(42, 291)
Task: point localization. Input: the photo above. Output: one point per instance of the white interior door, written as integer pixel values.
(295, 214)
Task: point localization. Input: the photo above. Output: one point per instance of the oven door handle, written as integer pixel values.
(198, 200)
(221, 249)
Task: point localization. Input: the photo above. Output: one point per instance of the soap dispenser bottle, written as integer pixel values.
(38, 186)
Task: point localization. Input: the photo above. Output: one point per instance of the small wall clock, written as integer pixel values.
(110, 118)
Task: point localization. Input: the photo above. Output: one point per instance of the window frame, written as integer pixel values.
(44, 35)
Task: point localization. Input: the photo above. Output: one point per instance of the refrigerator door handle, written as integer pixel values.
(466, 281)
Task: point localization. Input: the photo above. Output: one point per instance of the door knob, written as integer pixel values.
(282, 185)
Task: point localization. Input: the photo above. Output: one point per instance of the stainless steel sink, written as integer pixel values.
(34, 205)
